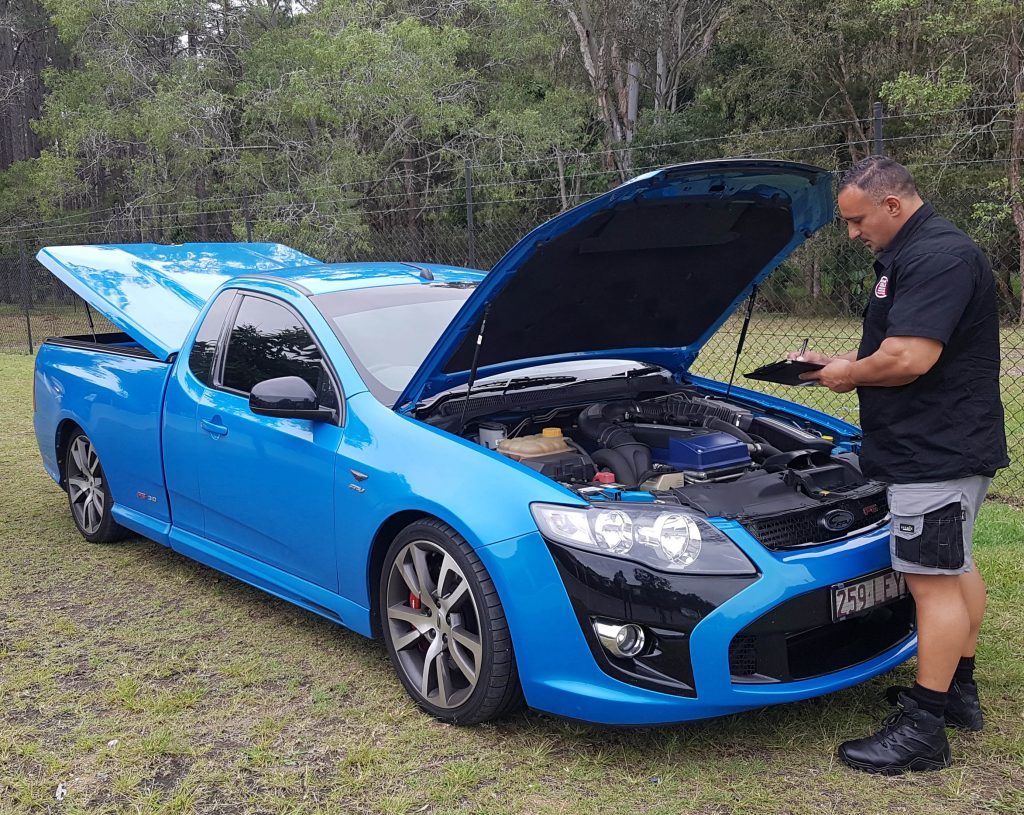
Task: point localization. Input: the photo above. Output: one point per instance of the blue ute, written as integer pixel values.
(511, 478)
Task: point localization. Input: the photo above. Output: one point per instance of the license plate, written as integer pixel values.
(858, 596)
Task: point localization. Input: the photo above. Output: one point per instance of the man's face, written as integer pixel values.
(873, 223)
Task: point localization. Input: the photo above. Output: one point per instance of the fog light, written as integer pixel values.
(620, 640)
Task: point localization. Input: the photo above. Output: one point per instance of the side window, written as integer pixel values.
(204, 349)
(267, 341)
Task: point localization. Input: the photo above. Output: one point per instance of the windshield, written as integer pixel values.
(388, 330)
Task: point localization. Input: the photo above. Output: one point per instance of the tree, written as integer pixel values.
(967, 83)
(640, 54)
(28, 47)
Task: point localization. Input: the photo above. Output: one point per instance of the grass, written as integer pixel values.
(137, 681)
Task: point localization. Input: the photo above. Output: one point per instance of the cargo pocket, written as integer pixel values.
(925, 534)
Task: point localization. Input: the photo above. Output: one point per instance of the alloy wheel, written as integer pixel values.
(434, 624)
(85, 485)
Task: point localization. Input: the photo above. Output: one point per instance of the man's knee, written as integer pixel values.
(935, 587)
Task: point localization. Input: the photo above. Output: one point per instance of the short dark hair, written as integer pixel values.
(879, 176)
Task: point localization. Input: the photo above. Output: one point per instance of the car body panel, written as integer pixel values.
(305, 510)
(115, 398)
(154, 292)
(566, 681)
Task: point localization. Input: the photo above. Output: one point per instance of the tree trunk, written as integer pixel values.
(28, 45)
(596, 54)
(201, 218)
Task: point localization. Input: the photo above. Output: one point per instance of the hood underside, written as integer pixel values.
(648, 271)
(633, 277)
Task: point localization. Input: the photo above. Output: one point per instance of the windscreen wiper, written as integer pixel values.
(520, 382)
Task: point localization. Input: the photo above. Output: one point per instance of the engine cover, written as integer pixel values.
(692, 449)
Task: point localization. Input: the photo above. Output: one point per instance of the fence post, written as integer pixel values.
(470, 223)
(248, 218)
(26, 294)
(876, 110)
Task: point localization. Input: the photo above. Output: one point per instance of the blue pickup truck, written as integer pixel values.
(511, 478)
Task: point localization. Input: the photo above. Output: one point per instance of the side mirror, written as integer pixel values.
(288, 397)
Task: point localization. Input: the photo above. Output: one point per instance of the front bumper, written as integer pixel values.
(563, 673)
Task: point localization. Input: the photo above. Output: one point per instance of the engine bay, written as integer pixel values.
(712, 455)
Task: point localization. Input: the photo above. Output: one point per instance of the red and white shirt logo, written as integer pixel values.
(882, 287)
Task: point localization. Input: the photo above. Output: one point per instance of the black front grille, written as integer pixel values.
(798, 640)
(807, 526)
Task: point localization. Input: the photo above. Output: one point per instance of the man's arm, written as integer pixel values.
(898, 361)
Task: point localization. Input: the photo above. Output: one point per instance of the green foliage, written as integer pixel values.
(327, 123)
(942, 90)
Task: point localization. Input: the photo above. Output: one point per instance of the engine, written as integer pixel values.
(654, 444)
(714, 456)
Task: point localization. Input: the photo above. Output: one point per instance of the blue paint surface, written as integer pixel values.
(271, 501)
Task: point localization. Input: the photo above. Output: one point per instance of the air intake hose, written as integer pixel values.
(628, 458)
(759, 451)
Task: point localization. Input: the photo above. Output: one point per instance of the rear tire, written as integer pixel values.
(444, 627)
(88, 492)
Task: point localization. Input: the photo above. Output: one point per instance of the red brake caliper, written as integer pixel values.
(415, 603)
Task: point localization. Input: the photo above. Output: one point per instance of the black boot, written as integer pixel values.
(910, 739)
(963, 710)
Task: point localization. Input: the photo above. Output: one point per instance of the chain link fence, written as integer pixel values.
(818, 294)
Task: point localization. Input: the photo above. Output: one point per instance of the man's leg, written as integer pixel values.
(963, 707)
(930, 547)
(972, 587)
(944, 626)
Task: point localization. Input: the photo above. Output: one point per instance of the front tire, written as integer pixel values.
(88, 492)
(445, 628)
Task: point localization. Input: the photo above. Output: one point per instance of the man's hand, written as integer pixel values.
(810, 356)
(898, 361)
(837, 376)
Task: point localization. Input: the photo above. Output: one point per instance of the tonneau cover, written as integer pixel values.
(153, 292)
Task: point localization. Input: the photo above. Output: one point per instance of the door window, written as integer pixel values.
(204, 349)
(267, 341)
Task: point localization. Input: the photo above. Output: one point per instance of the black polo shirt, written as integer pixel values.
(933, 281)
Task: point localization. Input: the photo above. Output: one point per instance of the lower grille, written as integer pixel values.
(807, 526)
(798, 640)
(743, 656)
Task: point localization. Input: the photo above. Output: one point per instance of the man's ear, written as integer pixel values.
(893, 205)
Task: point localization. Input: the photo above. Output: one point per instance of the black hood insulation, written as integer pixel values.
(648, 274)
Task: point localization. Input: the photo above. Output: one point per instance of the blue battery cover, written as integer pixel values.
(705, 451)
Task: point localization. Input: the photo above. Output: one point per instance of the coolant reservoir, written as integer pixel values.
(545, 443)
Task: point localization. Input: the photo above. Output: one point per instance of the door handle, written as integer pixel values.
(212, 427)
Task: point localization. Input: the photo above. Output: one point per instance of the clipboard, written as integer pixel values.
(785, 372)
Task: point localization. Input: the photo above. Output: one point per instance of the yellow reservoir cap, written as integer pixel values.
(549, 432)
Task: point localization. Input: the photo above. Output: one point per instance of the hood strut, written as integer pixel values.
(92, 328)
(472, 370)
(743, 337)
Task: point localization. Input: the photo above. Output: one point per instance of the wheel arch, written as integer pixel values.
(386, 533)
(382, 539)
(65, 431)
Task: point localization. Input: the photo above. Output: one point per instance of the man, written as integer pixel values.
(927, 377)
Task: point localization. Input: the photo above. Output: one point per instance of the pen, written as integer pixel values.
(803, 348)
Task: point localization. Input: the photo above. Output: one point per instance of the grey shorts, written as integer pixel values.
(933, 524)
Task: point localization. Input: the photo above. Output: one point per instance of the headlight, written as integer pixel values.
(667, 539)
